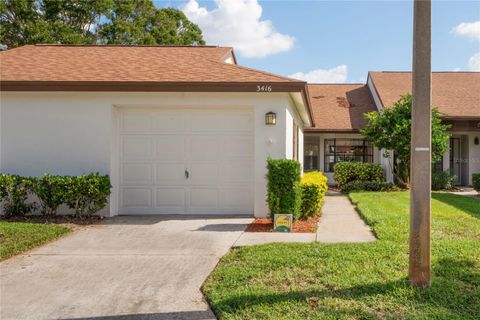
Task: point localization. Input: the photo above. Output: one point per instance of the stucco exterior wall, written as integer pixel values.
(70, 133)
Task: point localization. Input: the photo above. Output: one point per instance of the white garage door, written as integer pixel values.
(186, 161)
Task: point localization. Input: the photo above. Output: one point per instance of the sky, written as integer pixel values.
(335, 41)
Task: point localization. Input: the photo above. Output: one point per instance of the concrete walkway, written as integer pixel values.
(340, 221)
(128, 268)
(257, 238)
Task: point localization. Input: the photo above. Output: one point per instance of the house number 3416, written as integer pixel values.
(264, 88)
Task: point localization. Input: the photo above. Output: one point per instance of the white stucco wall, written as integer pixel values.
(69, 133)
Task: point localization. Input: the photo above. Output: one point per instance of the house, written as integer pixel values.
(178, 129)
(186, 130)
(338, 111)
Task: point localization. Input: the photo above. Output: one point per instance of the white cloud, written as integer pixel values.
(474, 62)
(333, 75)
(238, 24)
(468, 29)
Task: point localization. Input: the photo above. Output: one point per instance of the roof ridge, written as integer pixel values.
(387, 71)
(125, 46)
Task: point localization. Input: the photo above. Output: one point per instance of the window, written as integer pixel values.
(338, 150)
(311, 154)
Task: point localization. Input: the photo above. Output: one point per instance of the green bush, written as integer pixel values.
(14, 191)
(476, 181)
(367, 186)
(314, 186)
(443, 180)
(50, 191)
(347, 175)
(87, 194)
(283, 189)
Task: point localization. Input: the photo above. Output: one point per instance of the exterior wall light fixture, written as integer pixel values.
(270, 118)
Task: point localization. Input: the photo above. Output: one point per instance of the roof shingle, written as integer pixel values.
(127, 64)
(340, 107)
(455, 94)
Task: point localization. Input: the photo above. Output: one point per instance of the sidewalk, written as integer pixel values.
(340, 221)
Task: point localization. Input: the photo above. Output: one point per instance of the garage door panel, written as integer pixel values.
(203, 197)
(203, 173)
(170, 174)
(236, 198)
(136, 197)
(204, 148)
(236, 172)
(236, 146)
(137, 146)
(170, 147)
(169, 122)
(158, 145)
(171, 197)
(137, 173)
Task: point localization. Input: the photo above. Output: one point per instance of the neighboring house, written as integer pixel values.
(184, 130)
(178, 129)
(338, 111)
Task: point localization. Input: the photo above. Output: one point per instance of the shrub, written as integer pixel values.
(283, 190)
(345, 173)
(50, 191)
(367, 186)
(476, 181)
(443, 180)
(14, 191)
(314, 186)
(87, 194)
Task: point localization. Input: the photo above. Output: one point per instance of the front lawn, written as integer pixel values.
(358, 281)
(16, 237)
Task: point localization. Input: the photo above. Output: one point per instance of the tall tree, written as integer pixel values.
(140, 22)
(94, 22)
(390, 129)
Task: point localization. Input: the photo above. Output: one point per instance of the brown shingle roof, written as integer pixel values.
(455, 94)
(339, 107)
(70, 64)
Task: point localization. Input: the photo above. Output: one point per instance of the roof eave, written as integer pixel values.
(149, 86)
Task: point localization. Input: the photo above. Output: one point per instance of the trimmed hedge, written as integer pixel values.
(476, 181)
(367, 186)
(14, 191)
(353, 175)
(443, 180)
(86, 194)
(314, 186)
(283, 189)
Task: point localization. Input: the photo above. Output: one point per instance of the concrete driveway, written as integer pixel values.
(128, 268)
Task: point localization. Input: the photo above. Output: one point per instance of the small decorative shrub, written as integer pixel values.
(283, 190)
(346, 173)
(476, 181)
(14, 191)
(314, 186)
(443, 180)
(368, 186)
(87, 194)
(51, 191)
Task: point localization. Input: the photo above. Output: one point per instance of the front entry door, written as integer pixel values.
(455, 158)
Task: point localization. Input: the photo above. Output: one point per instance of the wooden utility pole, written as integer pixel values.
(421, 151)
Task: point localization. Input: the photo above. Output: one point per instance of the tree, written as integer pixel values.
(94, 22)
(390, 129)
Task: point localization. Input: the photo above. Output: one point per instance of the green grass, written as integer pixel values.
(358, 281)
(16, 237)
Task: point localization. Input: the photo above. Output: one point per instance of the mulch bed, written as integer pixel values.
(299, 226)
